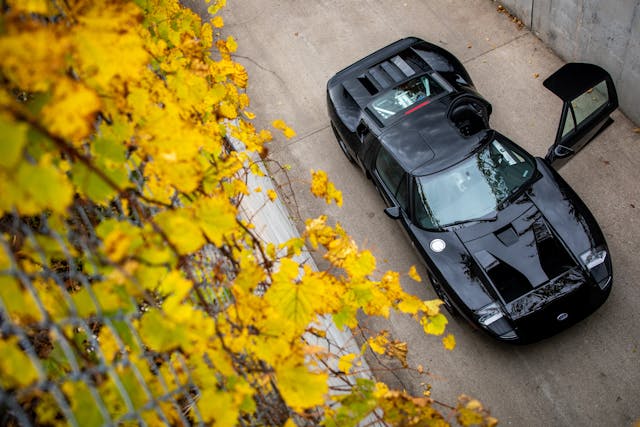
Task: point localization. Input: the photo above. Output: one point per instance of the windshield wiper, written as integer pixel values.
(486, 218)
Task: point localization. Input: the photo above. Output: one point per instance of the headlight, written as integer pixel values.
(489, 314)
(491, 317)
(594, 261)
(593, 258)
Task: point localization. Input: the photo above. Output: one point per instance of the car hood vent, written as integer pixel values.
(521, 256)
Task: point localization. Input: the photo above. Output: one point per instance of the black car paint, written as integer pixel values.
(422, 143)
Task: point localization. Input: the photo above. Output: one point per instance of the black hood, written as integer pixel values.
(522, 257)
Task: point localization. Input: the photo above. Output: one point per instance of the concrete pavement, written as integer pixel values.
(587, 375)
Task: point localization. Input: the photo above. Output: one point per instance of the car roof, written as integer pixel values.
(426, 141)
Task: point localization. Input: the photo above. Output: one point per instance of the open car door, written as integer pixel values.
(589, 96)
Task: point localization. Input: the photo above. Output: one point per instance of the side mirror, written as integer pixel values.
(362, 130)
(393, 212)
(562, 151)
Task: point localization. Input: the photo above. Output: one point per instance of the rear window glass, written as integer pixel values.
(406, 97)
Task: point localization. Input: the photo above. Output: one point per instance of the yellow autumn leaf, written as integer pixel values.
(272, 194)
(231, 44)
(411, 304)
(300, 388)
(449, 342)
(217, 22)
(413, 273)
(176, 285)
(218, 407)
(379, 343)
(227, 110)
(322, 187)
(281, 125)
(29, 59)
(250, 274)
(470, 412)
(361, 265)
(42, 7)
(103, 33)
(293, 299)
(398, 350)
(71, 111)
(216, 6)
(432, 307)
(434, 325)
(159, 332)
(216, 217)
(181, 230)
(346, 362)
(381, 390)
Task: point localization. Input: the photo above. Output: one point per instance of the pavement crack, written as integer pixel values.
(473, 58)
(257, 64)
(302, 138)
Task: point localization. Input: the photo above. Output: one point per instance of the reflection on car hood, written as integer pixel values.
(516, 256)
(556, 288)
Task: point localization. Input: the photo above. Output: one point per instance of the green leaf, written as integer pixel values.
(217, 218)
(181, 230)
(83, 405)
(159, 333)
(16, 367)
(14, 138)
(35, 188)
(434, 325)
(90, 184)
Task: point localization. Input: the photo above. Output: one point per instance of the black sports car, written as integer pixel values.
(505, 240)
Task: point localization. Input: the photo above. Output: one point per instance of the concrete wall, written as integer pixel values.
(606, 33)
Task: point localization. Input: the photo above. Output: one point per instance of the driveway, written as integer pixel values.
(587, 375)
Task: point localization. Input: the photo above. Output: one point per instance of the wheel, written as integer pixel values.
(342, 145)
(437, 287)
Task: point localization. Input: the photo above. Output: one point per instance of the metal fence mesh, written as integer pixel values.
(63, 328)
(65, 350)
(82, 344)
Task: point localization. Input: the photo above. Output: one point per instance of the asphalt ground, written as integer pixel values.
(588, 375)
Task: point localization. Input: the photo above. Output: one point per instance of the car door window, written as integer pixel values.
(403, 193)
(585, 106)
(392, 176)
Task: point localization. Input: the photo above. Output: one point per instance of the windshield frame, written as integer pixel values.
(508, 151)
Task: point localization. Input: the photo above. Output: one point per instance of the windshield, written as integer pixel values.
(474, 188)
(416, 92)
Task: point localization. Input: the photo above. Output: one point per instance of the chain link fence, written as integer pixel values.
(81, 344)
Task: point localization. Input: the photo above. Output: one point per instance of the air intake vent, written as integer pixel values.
(403, 66)
(368, 84)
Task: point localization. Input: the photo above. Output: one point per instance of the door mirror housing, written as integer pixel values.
(362, 130)
(393, 212)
